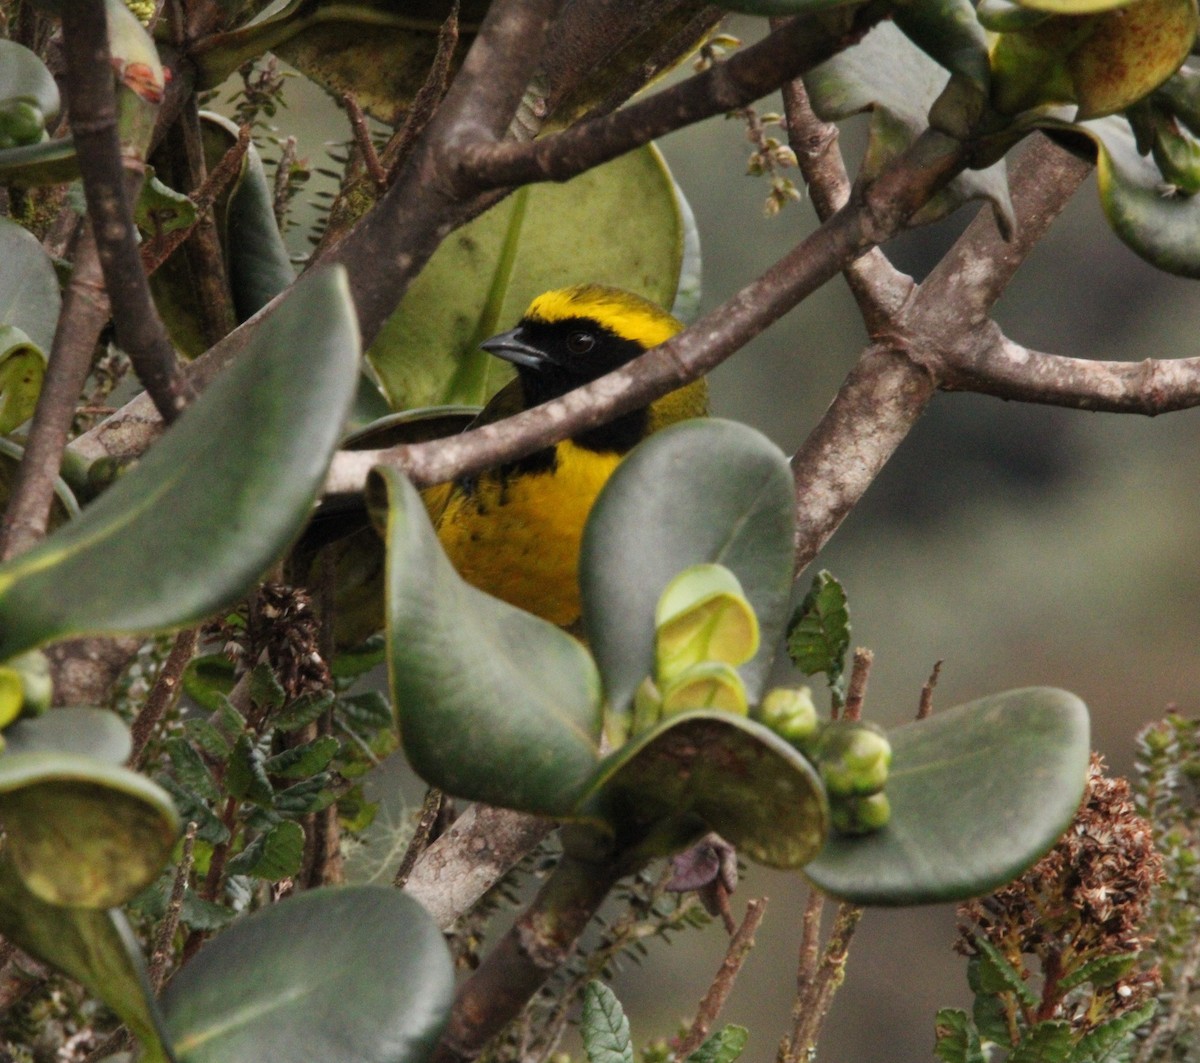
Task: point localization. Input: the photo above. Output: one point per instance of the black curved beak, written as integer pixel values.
(510, 347)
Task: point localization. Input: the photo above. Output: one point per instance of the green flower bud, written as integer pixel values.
(790, 713)
(21, 122)
(852, 758)
(860, 815)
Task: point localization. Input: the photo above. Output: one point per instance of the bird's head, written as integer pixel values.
(571, 336)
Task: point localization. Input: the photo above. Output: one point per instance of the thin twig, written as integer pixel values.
(431, 809)
(156, 251)
(163, 694)
(362, 138)
(92, 101)
(925, 708)
(164, 937)
(714, 1000)
(856, 690)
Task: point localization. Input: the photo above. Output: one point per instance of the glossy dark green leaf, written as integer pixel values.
(494, 704)
(1161, 226)
(893, 79)
(213, 504)
(209, 678)
(949, 32)
(29, 297)
(97, 733)
(301, 761)
(604, 1026)
(82, 832)
(49, 163)
(64, 506)
(245, 777)
(978, 793)
(617, 224)
(356, 975)
(256, 256)
(703, 491)
(25, 79)
(95, 947)
(702, 771)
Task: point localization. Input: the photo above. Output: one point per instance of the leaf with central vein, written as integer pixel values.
(703, 491)
(357, 975)
(214, 503)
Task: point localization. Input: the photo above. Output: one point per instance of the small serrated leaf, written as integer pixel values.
(303, 711)
(722, 1047)
(1101, 972)
(202, 734)
(368, 711)
(1101, 1044)
(245, 777)
(302, 761)
(998, 975)
(265, 689)
(190, 769)
(818, 636)
(957, 1037)
(193, 810)
(1047, 1042)
(604, 1027)
(989, 1011)
(310, 795)
(272, 856)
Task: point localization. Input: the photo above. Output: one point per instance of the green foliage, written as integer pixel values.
(818, 635)
(604, 1026)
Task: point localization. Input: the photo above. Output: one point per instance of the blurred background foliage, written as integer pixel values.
(1020, 545)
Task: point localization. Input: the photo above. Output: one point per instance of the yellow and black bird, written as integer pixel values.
(514, 531)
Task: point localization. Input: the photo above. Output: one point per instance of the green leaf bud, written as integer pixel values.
(707, 685)
(703, 615)
(860, 815)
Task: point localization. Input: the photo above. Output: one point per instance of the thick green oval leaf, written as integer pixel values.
(1074, 7)
(706, 490)
(1161, 226)
(770, 8)
(978, 793)
(29, 296)
(949, 32)
(25, 79)
(82, 832)
(22, 368)
(889, 76)
(64, 508)
(357, 975)
(256, 256)
(213, 504)
(702, 771)
(618, 224)
(93, 946)
(494, 703)
(97, 733)
(49, 163)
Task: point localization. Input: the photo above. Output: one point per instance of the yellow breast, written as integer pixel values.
(517, 538)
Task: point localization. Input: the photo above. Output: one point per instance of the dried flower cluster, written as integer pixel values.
(1084, 902)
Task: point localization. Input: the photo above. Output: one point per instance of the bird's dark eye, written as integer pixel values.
(580, 342)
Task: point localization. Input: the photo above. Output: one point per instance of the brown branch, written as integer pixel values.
(92, 102)
(880, 290)
(481, 847)
(875, 216)
(163, 694)
(797, 46)
(156, 251)
(895, 378)
(925, 706)
(431, 809)
(84, 312)
(860, 672)
(1007, 370)
(362, 139)
(164, 936)
(714, 1000)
